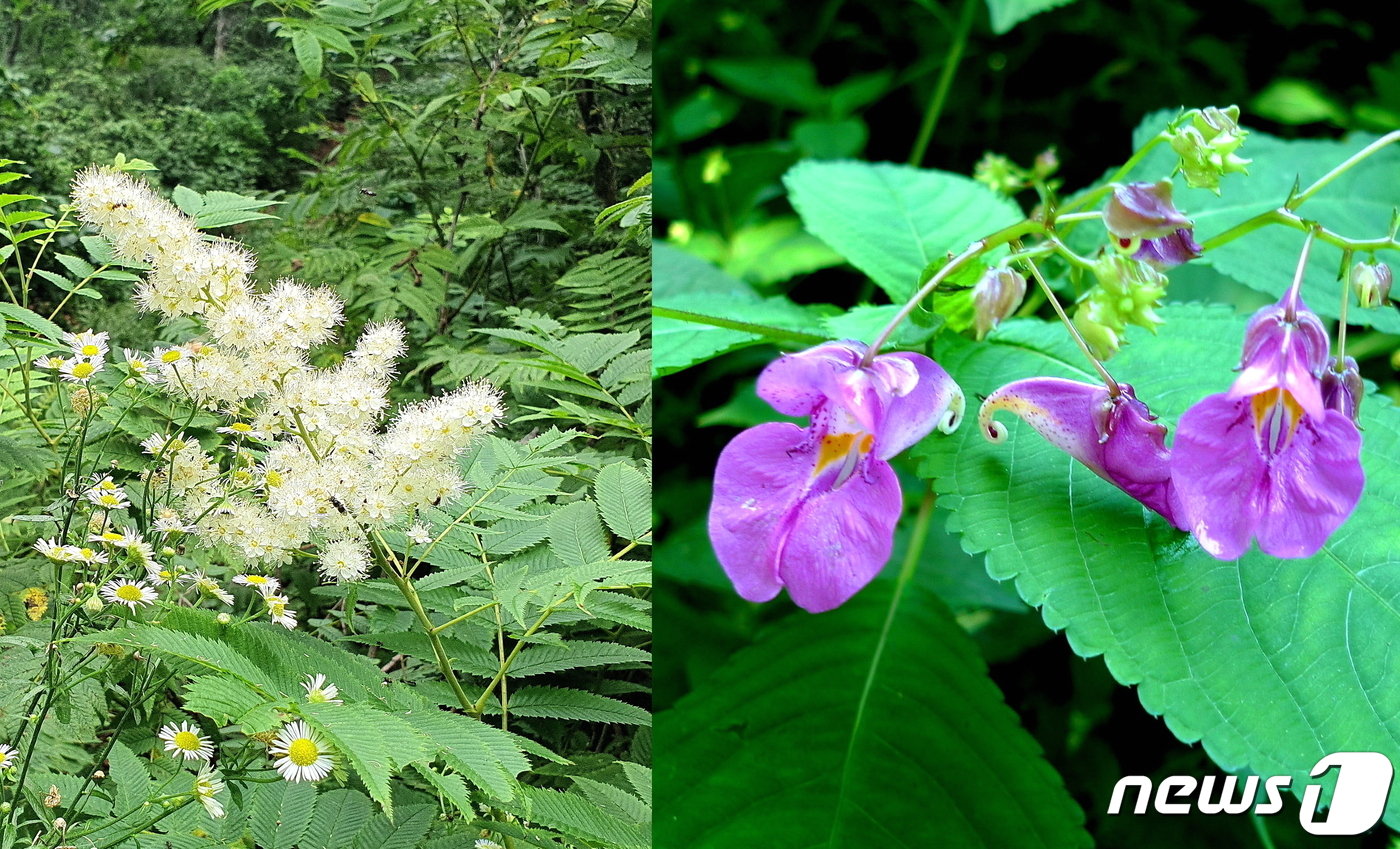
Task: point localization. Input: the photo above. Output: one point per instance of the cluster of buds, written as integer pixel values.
(1127, 293)
(1005, 177)
(1207, 143)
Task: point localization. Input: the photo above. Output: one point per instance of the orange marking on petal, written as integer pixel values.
(835, 446)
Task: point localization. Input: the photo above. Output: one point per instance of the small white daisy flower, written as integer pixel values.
(300, 753)
(278, 611)
(208, 586)
(162, 575)
(55, 551)
(52, 361)
(87, 555)
(243, 429)
(80, 370)
(8, 756)
(88, 345)
(317, 690)
(129, 593)
(184, 741)
(139, 364)
(206, 786)
(262, 583)
(114, 499)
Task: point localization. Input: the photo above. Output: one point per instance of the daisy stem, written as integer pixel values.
(1107, 378)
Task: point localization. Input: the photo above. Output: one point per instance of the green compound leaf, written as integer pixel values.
(376, 743)
(340, 815)
(875, 724)
(282, 812)
(1357, 205)
(890, 220)
(1268, 663)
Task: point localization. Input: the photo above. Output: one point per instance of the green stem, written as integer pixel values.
(438, 629)
(1345, 166)
(976, 249)
(480, 705)
(410, 594)
(776, 333)
(1092, 197)
(1287, 218)
(1108, 380)
(945, 82)
(916, 541)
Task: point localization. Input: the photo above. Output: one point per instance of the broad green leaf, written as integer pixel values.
(282, 812)
(891, 221)
(624, 498)
(875, 719)
(1358, 205)
(691, 285)
(1268, 663)
(1008, 13)
(308, 52)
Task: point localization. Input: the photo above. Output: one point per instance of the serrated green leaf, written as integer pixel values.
(228, 700)
(308, 52)
(340, 816)
(128, 774)
(563, 703)
(1302, 643)
(33, 321)
(1006, 14)
(375, 743)
(575, 535)
(891, 221)
(404, 832)
(574, 654)
(624, 498)
(577, 817)
(806, 737)
(485, 755)
(282, 812)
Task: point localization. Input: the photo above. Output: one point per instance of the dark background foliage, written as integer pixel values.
(744, 90)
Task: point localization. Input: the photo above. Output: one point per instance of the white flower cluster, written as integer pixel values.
(325, 471)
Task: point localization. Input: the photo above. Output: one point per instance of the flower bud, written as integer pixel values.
(1207, 146)
(997, 173)
(1126, 293)
(1342, 389)
(995, 297)
(81, 401)
(1371, 283)
(1047, 162)
(223, 618)
(1143, 210)
(93, 604)
(60, 823)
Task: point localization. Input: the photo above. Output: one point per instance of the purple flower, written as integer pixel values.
(1146, 225)
(1270, 459)
(813, 508)
(1115, 436)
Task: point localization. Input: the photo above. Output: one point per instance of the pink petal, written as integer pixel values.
(934, 400)
(1218, 473)
(840, 539)
(1314, 484)
(758, 481)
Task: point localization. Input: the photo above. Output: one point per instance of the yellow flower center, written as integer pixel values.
(303, 752)
(274, 478)
(187, 740)
(170, 356)
(129, 592)
(256, 579)
(82, 370)
(241, 427)
(90, 350)
(112, 536)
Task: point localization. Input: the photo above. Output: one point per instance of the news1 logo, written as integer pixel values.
(1358, 800)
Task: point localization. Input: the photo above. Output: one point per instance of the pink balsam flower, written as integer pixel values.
(1271, 459)
(813, 509)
